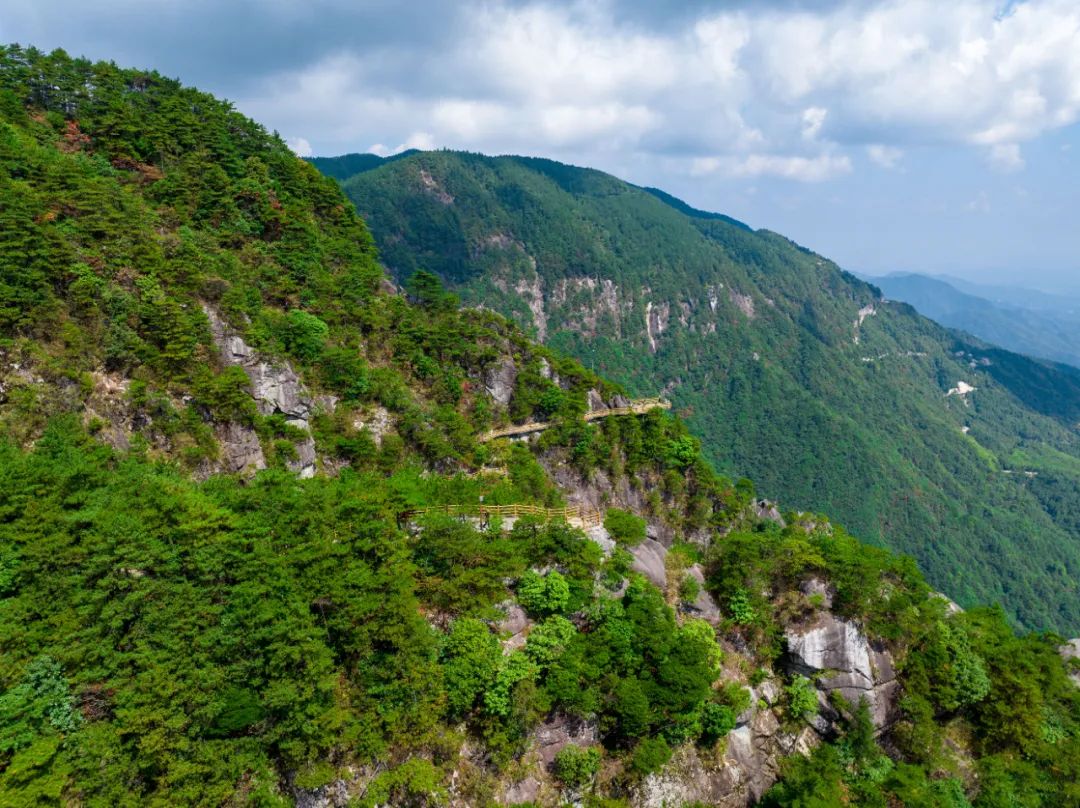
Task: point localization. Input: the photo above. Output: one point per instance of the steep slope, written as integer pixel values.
(227, 574)
(1049, 333)
(792, 371)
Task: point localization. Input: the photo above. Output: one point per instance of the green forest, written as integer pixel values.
(791, 371)
(173, 633)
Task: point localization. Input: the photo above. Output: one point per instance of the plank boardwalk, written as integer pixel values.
(638, 406)
(575, 515)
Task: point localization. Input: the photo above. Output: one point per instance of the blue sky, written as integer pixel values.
(916, 136)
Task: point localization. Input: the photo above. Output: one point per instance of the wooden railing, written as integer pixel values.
(574, 515)
(638, 406)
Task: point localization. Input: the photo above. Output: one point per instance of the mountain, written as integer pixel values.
(1020, 296)
(793, 372)
(347, 165)
(1024, 321)
(261, 542)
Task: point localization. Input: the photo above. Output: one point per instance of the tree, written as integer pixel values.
(472, 658)
(543, 595)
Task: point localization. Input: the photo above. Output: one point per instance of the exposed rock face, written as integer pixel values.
(817, 587)
(704, 606)
(951, 606)
(840, 650)
(499, 380)
(600, 535)
(743, 303)
(522, 792)
(332, 795)
(241, 450)
(559, 731)
(649, 561)
(748, 767)
(377, 421)
(764, 509)
(656, 322)
(533, 295)
(1069, 651)
(276, 388)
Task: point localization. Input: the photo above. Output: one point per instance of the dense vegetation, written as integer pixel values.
(175, 637)
(764, 351)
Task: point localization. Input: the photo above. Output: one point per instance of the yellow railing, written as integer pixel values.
(638, 406)
(585, 517)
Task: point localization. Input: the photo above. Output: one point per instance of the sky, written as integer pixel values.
(889, 136)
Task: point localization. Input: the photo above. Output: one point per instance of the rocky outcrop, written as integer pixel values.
(332, 795)
(838, 656)
(649, 558)
(740, 774)
(377, 421)
(241, 451)
(704, 606)
(1071, 651)
(500, 379)
(763, 509)
(559, 731)
(514, 626)
(277, 390)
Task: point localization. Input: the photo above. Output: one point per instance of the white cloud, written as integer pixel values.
(980, 204)
(749, 92)
(813, 118)
(884, 156)
(300, 146)
(1006, 157)
(417, 140)
(793, 167)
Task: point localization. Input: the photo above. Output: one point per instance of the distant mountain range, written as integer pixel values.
(1024, 320)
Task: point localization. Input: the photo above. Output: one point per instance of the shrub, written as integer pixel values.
(304, 335)
(227, 395)
(802, 700)
(650, 755)
(343, 371)
(682, 452)
(414, 782)
(740, 609)
(717, 720)
(624, 527)
(576, 766)
(689, 589)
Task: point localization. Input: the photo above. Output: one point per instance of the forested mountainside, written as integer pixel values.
(222, 581)
(1051, 333)
(792, 372)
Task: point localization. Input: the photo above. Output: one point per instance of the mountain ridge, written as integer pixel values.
(784, 363)
(1027, 322)
(245, 556)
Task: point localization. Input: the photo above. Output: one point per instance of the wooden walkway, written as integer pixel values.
(576, 516)
(638, 406)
